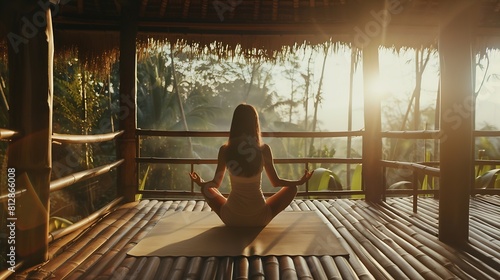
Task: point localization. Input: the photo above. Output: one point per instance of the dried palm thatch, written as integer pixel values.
(263, 29)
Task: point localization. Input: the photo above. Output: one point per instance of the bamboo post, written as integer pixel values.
(30, 155)
(456, 135)
(127, 174)
(367, 38)
(373, 19)
(372, 140)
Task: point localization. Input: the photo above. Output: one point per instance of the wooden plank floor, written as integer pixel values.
(385, 241)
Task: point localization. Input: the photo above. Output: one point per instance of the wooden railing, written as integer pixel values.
(193, 161)
(427, 168)
(416, 169)
(67, 181)
(423, 169)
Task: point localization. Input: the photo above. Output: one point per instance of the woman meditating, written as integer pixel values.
(245, 157)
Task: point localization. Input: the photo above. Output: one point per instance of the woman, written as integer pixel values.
(245, 157)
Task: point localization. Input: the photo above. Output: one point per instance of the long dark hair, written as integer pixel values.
(243, 153)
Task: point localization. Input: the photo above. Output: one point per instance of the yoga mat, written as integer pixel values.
(190, 234)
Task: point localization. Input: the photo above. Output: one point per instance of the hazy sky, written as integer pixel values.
(397, 81)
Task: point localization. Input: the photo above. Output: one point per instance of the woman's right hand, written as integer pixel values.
(196, 178)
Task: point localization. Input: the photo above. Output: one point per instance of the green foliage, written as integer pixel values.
(80, 99)
(488, 180)
(83, 104)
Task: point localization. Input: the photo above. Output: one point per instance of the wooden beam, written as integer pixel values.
(275, 9)
(204, 9)
(185, 10)
(427, 32)
(118, 6)
(97, 4)
(372, 172)
(372, 139)
(30, 155)
(456, 141)
(80, 6)
(256, 9)
(296, 10)
(163, 7)
(144, 5)
(127, 173)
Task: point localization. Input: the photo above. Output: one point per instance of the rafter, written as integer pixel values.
(163, 7)
(97, 4)
(256, 9)
(80, 6)
(144, 5)
(185, 11)
(275, 9)
(118, 6)
(204, 8)
(295, 10)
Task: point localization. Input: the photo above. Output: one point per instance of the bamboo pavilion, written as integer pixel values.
(455, 234)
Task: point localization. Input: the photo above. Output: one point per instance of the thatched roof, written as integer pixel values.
(264, 27)
(268, 25)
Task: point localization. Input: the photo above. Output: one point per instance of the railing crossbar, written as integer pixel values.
(280, 134)
(486, 133)
(411, 134)
(61, 183)
(7, 133)
(428, 170)
(84, 139)
(159, 160)
(85, 221)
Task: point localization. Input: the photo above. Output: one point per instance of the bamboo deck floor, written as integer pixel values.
(385, 241)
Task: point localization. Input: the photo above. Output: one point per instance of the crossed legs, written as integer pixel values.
(281, 199)
(277, 202)
(214, 199)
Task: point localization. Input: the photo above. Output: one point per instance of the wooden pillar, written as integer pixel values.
(30, 155)
(373, 19)
(127, 174)
(372, 141)
(456, 134)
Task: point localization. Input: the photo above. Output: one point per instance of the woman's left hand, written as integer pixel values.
(307, 175)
